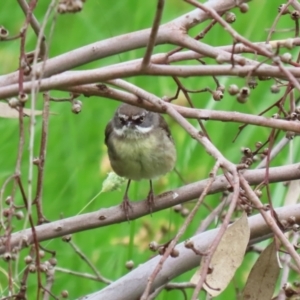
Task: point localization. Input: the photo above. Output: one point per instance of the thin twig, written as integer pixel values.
(270, 221)
(88, 262)
(153, 34)
(207, 258)
(180, 232)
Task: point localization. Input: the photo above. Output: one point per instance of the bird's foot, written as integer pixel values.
(126, 206)
(150, 201)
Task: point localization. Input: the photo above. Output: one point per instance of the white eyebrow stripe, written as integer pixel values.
(124, 117)
(135, 117)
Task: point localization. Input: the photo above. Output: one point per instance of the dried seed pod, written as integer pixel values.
(289, 43)
(290, 135)
(129, 265)
(3, 32)
(8, 200)
(76, 108)
(65, 294)
(275, 89)
(221, 88)
(252, 83)
(258, 144)
(7, 256)
(285, 11)
(13, 102)
(23, 97)
(295, 15)
(53, 261)
(245, 91)
(241, 98)
(217, 95)
(258, 193)
(244, 7)
(67, 238)
(286, 57)
(189, 244)
(177, 208)
(185, 212)
(19, 215)
(233, 89)
(153, 246)
(174, 253)
(230, 17)
(28, 260)
(220, 59)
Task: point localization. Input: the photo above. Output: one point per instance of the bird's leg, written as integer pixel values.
(150, 198)
(125, 205)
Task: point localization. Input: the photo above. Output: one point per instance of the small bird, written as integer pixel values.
(140, 146)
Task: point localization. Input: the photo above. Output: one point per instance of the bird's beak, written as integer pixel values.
(130, 124)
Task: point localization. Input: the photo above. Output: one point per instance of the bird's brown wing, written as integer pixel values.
(163, 124)
(108, 131)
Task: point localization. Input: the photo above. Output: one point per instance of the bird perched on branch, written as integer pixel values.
(140, 146)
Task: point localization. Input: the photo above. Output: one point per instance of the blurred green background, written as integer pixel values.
(77, 161)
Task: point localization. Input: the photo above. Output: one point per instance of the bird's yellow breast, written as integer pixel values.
(142, 157)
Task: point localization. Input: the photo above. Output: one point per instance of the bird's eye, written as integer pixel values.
(122, 120)
(139, 120)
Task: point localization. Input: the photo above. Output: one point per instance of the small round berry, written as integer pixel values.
(185, 212)
(129, 265)
(258, 144)
(217, 95)
(28, 259)
(13, 102)
(286, 57)
(32, 268)
(76, 108)
(161, 250)
(282, 10)
(230, 17)
(245, 91)
(3, 32)
(177, 208)
(153, 246)
(221, 88)
(53, 261)
(244, 7)
(189, 244)
(220, 59)
(295, 15)
(295, 227)
(7, 256)
(36, 161)
(289, 43)
(252, 83)
(233, 89)
(276, 116)
(241, 98)
(19, 215)
(6, 212)
(275, 89)
(258, 193)
(23, 97)
(67, 238)
(65, 294)
(290, 135)
(8, 200)
(174, 253)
